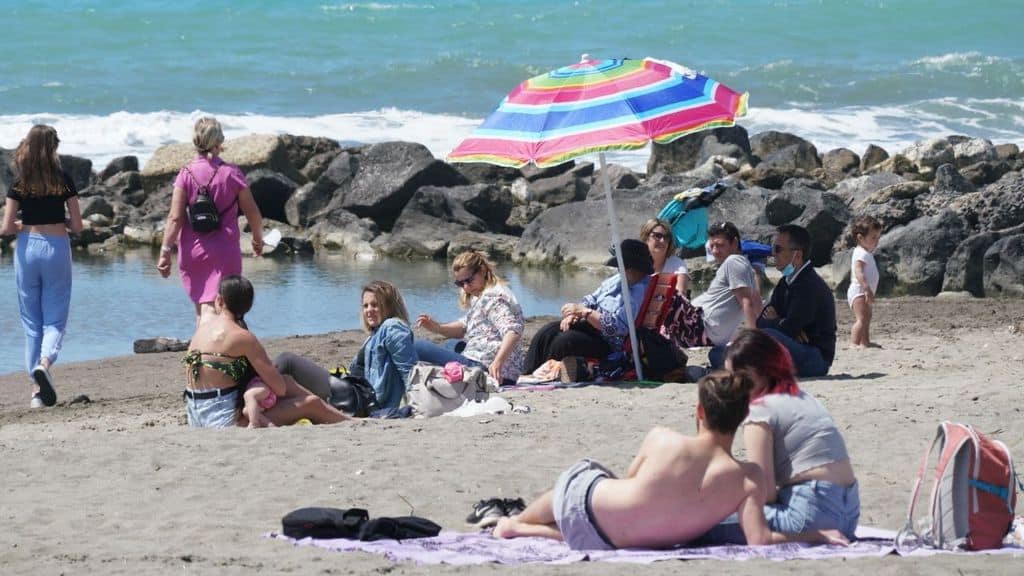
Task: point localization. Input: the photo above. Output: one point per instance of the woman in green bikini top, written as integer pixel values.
(224, 356)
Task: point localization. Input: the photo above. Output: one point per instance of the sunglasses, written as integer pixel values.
(661, 236)
(466, 281)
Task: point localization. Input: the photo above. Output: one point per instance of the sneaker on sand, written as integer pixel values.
(486, 513)
(36, 402)
(46, 392)
(513, 506)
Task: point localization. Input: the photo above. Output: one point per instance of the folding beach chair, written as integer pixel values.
(661, 358)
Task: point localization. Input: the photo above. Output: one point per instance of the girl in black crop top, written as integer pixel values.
(42, 261)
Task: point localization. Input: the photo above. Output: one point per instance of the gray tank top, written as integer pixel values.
(803, 433)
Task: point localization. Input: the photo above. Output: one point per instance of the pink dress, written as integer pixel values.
(204, 259)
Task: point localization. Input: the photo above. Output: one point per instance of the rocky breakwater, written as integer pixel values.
(952, 208)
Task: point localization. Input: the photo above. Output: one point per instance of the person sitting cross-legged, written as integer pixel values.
(675, 490)
(801, 314)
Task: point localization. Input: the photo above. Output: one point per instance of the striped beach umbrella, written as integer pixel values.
(596, 106)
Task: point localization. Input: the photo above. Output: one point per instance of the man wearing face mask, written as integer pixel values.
(801, 314)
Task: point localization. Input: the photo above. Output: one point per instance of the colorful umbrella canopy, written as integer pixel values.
(599, 105)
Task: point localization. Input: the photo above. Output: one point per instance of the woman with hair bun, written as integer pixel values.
(206, 257)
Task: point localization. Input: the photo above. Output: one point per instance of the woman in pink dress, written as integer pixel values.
(206, 257)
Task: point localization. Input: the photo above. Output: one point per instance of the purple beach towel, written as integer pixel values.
(459, 548)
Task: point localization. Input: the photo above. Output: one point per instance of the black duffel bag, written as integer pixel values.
(353, 396)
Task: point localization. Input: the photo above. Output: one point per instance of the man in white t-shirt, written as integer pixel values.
(730, 299)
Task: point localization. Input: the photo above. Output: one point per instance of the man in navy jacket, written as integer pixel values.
(801, 314)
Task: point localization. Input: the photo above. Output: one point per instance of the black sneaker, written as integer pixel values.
(486, 513)
(512, 506)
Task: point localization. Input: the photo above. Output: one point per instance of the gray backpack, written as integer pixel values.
(430, 394)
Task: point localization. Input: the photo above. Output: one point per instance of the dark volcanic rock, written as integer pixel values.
(271, 192)
(119, 165)
(912, 258)
(693, 150)
(427, 224)
(1004, 267)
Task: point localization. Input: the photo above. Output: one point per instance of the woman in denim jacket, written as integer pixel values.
(386, 357)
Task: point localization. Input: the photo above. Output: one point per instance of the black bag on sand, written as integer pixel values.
(660, 356)
(318, 522)
(398, 528)
(353, 396)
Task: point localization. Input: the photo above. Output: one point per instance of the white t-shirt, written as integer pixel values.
(675, 265)
(723, 314)
(870, 274)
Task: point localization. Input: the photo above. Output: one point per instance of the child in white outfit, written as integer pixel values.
(865, 231)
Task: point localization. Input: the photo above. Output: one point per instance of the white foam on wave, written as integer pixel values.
(103, 138)
(955, 60)
(373, 6)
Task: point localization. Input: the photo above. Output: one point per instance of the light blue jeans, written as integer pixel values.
(811, 505)
(219, 412)
(42, 271)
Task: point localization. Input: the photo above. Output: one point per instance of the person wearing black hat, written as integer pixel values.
(597, 325)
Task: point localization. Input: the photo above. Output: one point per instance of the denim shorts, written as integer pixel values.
(571, 506)
(219, 412)
(811, 505)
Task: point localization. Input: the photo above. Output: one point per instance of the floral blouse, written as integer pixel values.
(493, 314)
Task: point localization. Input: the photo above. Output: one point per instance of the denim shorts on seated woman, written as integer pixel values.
(220, 411)
(811, 505)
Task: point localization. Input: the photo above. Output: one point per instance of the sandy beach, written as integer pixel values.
(121, 486)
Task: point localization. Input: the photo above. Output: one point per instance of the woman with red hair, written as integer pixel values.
(795, 441)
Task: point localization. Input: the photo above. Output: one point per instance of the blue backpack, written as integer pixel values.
(687, 213)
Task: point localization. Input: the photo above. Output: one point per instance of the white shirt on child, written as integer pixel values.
(870, 274)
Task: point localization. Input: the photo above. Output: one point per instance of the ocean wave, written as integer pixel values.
(893, 127)
(373, 6)
(956, 60)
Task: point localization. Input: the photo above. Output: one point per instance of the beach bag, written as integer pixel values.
(353, 396)
(202, 211)
(318, 522)
(430, 394)
(973, 493)
(687, 213)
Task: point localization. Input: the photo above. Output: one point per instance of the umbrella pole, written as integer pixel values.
(630, 320)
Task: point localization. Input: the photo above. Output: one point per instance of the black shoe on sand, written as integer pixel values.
(486, 513)
(46, 392)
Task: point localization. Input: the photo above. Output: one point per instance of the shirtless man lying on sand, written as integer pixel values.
(676, 489)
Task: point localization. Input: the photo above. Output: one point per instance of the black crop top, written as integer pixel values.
(37, 210)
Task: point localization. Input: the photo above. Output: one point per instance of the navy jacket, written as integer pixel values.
(808, 306)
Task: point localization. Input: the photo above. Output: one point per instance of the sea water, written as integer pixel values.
(120, 298)
(119, 77)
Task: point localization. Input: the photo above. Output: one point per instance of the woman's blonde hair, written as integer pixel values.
(479, 264)
(670, 238)
(388, 298)
(206, 134)
(38, 163)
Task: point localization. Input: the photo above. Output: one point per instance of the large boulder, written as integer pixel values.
(119, 165)
(302, 205)
(427, 224)
(79, 169)
(982, 173)
(618, 177)
(532, 172)
(495, 246)
(340, 229)
(566, 187)
(855, 191)
(521, 215)
(823, 214)
(927, 155)
(872, 156)
(912, 258)
(996, 206)
(388, 174)
(693, 150)
(840, 163)
(488, 202)
(973, 150)
(96, 205)
(1004, 267)
(271, 191)
(247, 152)
(6, 171)
(310, 155)
(795, 160)
(481, 173)
(965, 270)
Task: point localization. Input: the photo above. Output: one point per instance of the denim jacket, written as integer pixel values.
(388, 357)
(607, 300)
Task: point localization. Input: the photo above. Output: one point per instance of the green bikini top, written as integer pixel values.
(238, 369)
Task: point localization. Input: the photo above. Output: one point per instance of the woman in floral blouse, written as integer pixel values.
(492, 327)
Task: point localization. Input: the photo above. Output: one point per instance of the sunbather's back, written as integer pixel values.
(677, 489)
